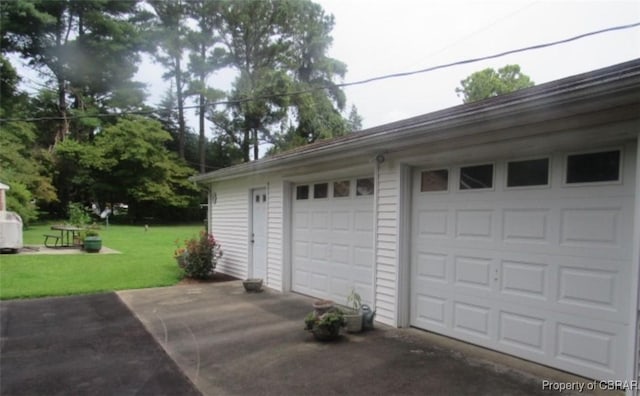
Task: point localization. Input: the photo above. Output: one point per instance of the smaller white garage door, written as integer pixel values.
(529, 257)
(332, 238)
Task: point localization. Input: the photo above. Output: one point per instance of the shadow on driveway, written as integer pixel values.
(82, 345)
(233, 343)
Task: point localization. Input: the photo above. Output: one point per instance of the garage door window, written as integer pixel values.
(528, 173)
(302, 192)
(341, 188)
(476, 177)
(320, 190)
(434, 180)
(364, 186)
(593, 167)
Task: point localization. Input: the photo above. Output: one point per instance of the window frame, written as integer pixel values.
(373, 190)
(313, 196)
(536, 186)
(449, 177)
(565, 167)
(333, 188)
(459, 177)
(308, 192)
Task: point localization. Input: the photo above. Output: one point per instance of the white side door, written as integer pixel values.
(259, 233)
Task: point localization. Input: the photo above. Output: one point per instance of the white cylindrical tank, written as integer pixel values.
(10, 225)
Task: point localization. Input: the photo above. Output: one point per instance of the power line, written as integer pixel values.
(347, 84)
(498, 55)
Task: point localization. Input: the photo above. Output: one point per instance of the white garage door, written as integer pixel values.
(332, 238)
(529, 257)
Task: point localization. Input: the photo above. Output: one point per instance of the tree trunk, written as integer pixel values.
(179, 95)
(256, 151)
(246, 146)
(201, 140)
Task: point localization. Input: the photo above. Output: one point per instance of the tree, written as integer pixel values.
(488, 83)
(354, 121)
(279, 47)
(254, 34)
(160, 179)
(88, 49)
(318, 112)
(206, 57)
(171, 35)
(23, 165)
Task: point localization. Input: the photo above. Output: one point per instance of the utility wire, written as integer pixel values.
(347, 84)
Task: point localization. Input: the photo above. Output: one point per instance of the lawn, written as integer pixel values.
(146, 260)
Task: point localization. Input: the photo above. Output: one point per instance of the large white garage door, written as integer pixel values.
(540, 270)
(332, 238)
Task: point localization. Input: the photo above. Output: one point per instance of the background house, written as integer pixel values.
(511, 223)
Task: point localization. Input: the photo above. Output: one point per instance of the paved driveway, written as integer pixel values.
(82, 345)
(229, 342)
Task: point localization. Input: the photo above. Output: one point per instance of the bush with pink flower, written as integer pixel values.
(199, 256)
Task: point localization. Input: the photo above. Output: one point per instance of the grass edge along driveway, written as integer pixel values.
(146, 260)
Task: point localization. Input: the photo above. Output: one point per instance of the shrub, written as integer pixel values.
(199, 256)
(78, 216)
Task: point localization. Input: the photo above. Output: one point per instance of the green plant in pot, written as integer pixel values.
(92, 241)
(353, 316)
(325, 326)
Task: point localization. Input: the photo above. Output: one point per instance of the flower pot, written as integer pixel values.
(326, 333)
(252, 285)
(353, 322)
(92, 244)
(322, 306)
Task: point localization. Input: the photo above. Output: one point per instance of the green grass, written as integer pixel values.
(146, 260)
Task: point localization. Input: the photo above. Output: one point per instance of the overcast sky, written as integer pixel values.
(378, 37)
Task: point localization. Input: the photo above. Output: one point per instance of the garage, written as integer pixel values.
(529, 256)
(332, 238)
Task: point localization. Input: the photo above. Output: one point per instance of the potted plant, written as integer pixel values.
(92, 241)
(326, 326)
(353, 316)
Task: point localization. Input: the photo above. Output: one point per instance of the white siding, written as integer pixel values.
(230, 225)
(387, 253)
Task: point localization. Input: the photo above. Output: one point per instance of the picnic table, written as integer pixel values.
(66, 238)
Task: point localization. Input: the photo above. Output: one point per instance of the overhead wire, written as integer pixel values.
(346, 84)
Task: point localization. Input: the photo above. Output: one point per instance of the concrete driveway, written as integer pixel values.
(229, 342)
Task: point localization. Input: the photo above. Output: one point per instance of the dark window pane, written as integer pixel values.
(528, 173)
(320, 190)
(264, 198)
(364, 186)
(341, 188)
(593, 167)
(302, 192)
(257, 197)
(435, 180)
(476, 177)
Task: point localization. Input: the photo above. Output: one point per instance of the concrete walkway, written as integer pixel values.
(229, 342)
